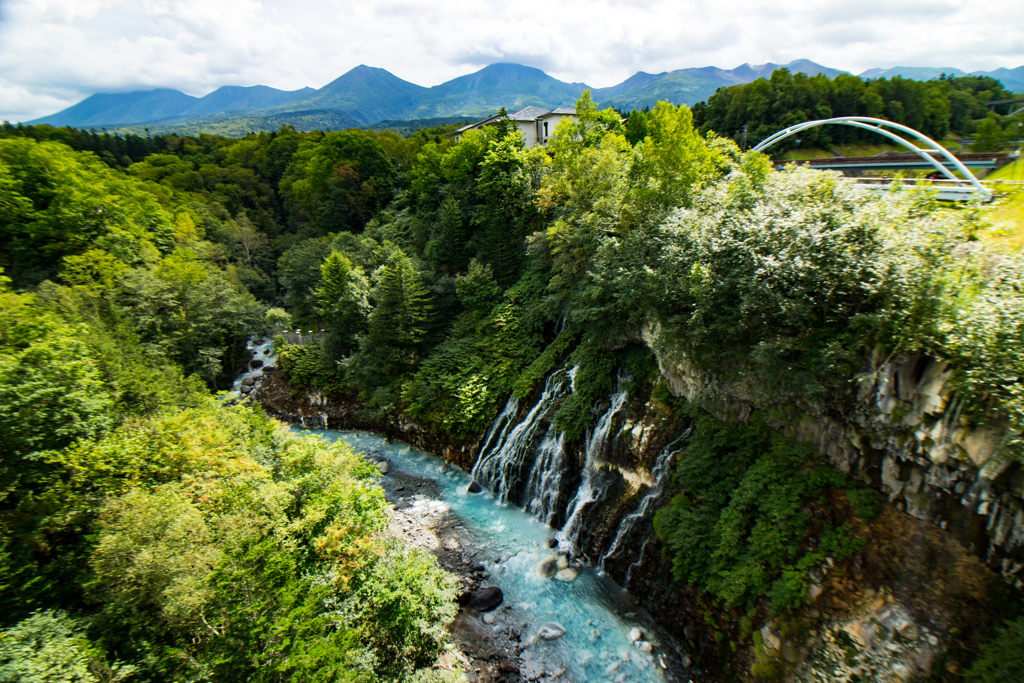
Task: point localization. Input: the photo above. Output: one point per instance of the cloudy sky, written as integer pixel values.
(54, 53)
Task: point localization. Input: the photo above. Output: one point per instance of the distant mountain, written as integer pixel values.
(131, 107)
(637, 80)
(365, 96)
(690, 86)
(241, 123)
(238, 98)
(1012, 79)
(512, 86)
(917, 73)
(365, 93)
(748, 72)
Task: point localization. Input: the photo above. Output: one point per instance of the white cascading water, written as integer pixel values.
(662, 473)
(503, 422)
(568, 537)
(544, 485)
(500, 467)
(262, 350)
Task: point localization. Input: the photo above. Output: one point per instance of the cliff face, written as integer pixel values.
(903, 436)
(311, 408)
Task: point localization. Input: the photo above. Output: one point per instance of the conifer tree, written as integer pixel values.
(341, 299)
(399, 318)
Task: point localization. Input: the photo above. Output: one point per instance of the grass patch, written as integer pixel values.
(1007, 214)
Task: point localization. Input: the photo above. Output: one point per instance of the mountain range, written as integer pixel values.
(367, 95)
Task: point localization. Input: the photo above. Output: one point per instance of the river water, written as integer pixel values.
(598, 616)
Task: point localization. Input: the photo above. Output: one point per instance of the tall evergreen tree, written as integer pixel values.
(398, 321)
(341, 300)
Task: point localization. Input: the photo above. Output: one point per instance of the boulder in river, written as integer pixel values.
(635, 634)
(552, 542)
(248, 381)
(384, 466)
(551, 631)
(256, 364)
(486, 598)
(563, 562)
(566, 575)
(474, 487)
(548, 567)
(245, 389)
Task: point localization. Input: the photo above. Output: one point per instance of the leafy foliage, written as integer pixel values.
(760, 108)
(736, 526)
(51, 647)
(1001, 660)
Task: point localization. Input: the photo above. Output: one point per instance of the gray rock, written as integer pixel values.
(790, 653)
(551, 631)
(635, 634)
(644, 647)
(566, 575)
(486, 598)
(548, 567)
(488, 618)
(474, 487)
(771, 637)
(563, 562)
(245, 388)
(255, 364)
(384, 466)
(552, 543)
(248, 381)
(815, 591)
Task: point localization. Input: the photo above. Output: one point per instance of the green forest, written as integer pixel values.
(954, 105)
(151, 529)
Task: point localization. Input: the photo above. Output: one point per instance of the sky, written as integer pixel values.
(54, 53)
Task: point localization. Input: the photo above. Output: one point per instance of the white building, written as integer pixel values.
(536, 124)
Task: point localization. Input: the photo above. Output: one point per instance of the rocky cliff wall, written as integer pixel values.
(904, 434)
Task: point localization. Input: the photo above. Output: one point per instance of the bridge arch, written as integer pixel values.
(880, 126)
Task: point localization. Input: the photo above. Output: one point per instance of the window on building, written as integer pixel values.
(545, 129)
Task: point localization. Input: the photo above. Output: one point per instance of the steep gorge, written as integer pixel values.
(930, 567)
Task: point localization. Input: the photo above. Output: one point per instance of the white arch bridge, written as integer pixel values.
(953, 188)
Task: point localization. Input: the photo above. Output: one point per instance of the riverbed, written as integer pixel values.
(605, 637)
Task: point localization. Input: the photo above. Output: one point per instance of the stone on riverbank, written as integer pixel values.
(551, 631)
(486, 598)
(384, 466)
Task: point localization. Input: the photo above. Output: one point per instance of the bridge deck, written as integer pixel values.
(901, 161)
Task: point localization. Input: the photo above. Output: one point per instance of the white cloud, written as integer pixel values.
(54, 53)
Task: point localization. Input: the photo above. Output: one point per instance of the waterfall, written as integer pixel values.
(569, 535)
(544, 485)
(502, 422)
(262, 350)
(662, 475)
(500, 467)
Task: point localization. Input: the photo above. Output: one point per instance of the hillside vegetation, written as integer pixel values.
(937, 108)
(159, 533)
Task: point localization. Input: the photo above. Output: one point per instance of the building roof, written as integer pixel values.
(527, 114)
(561, 111)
